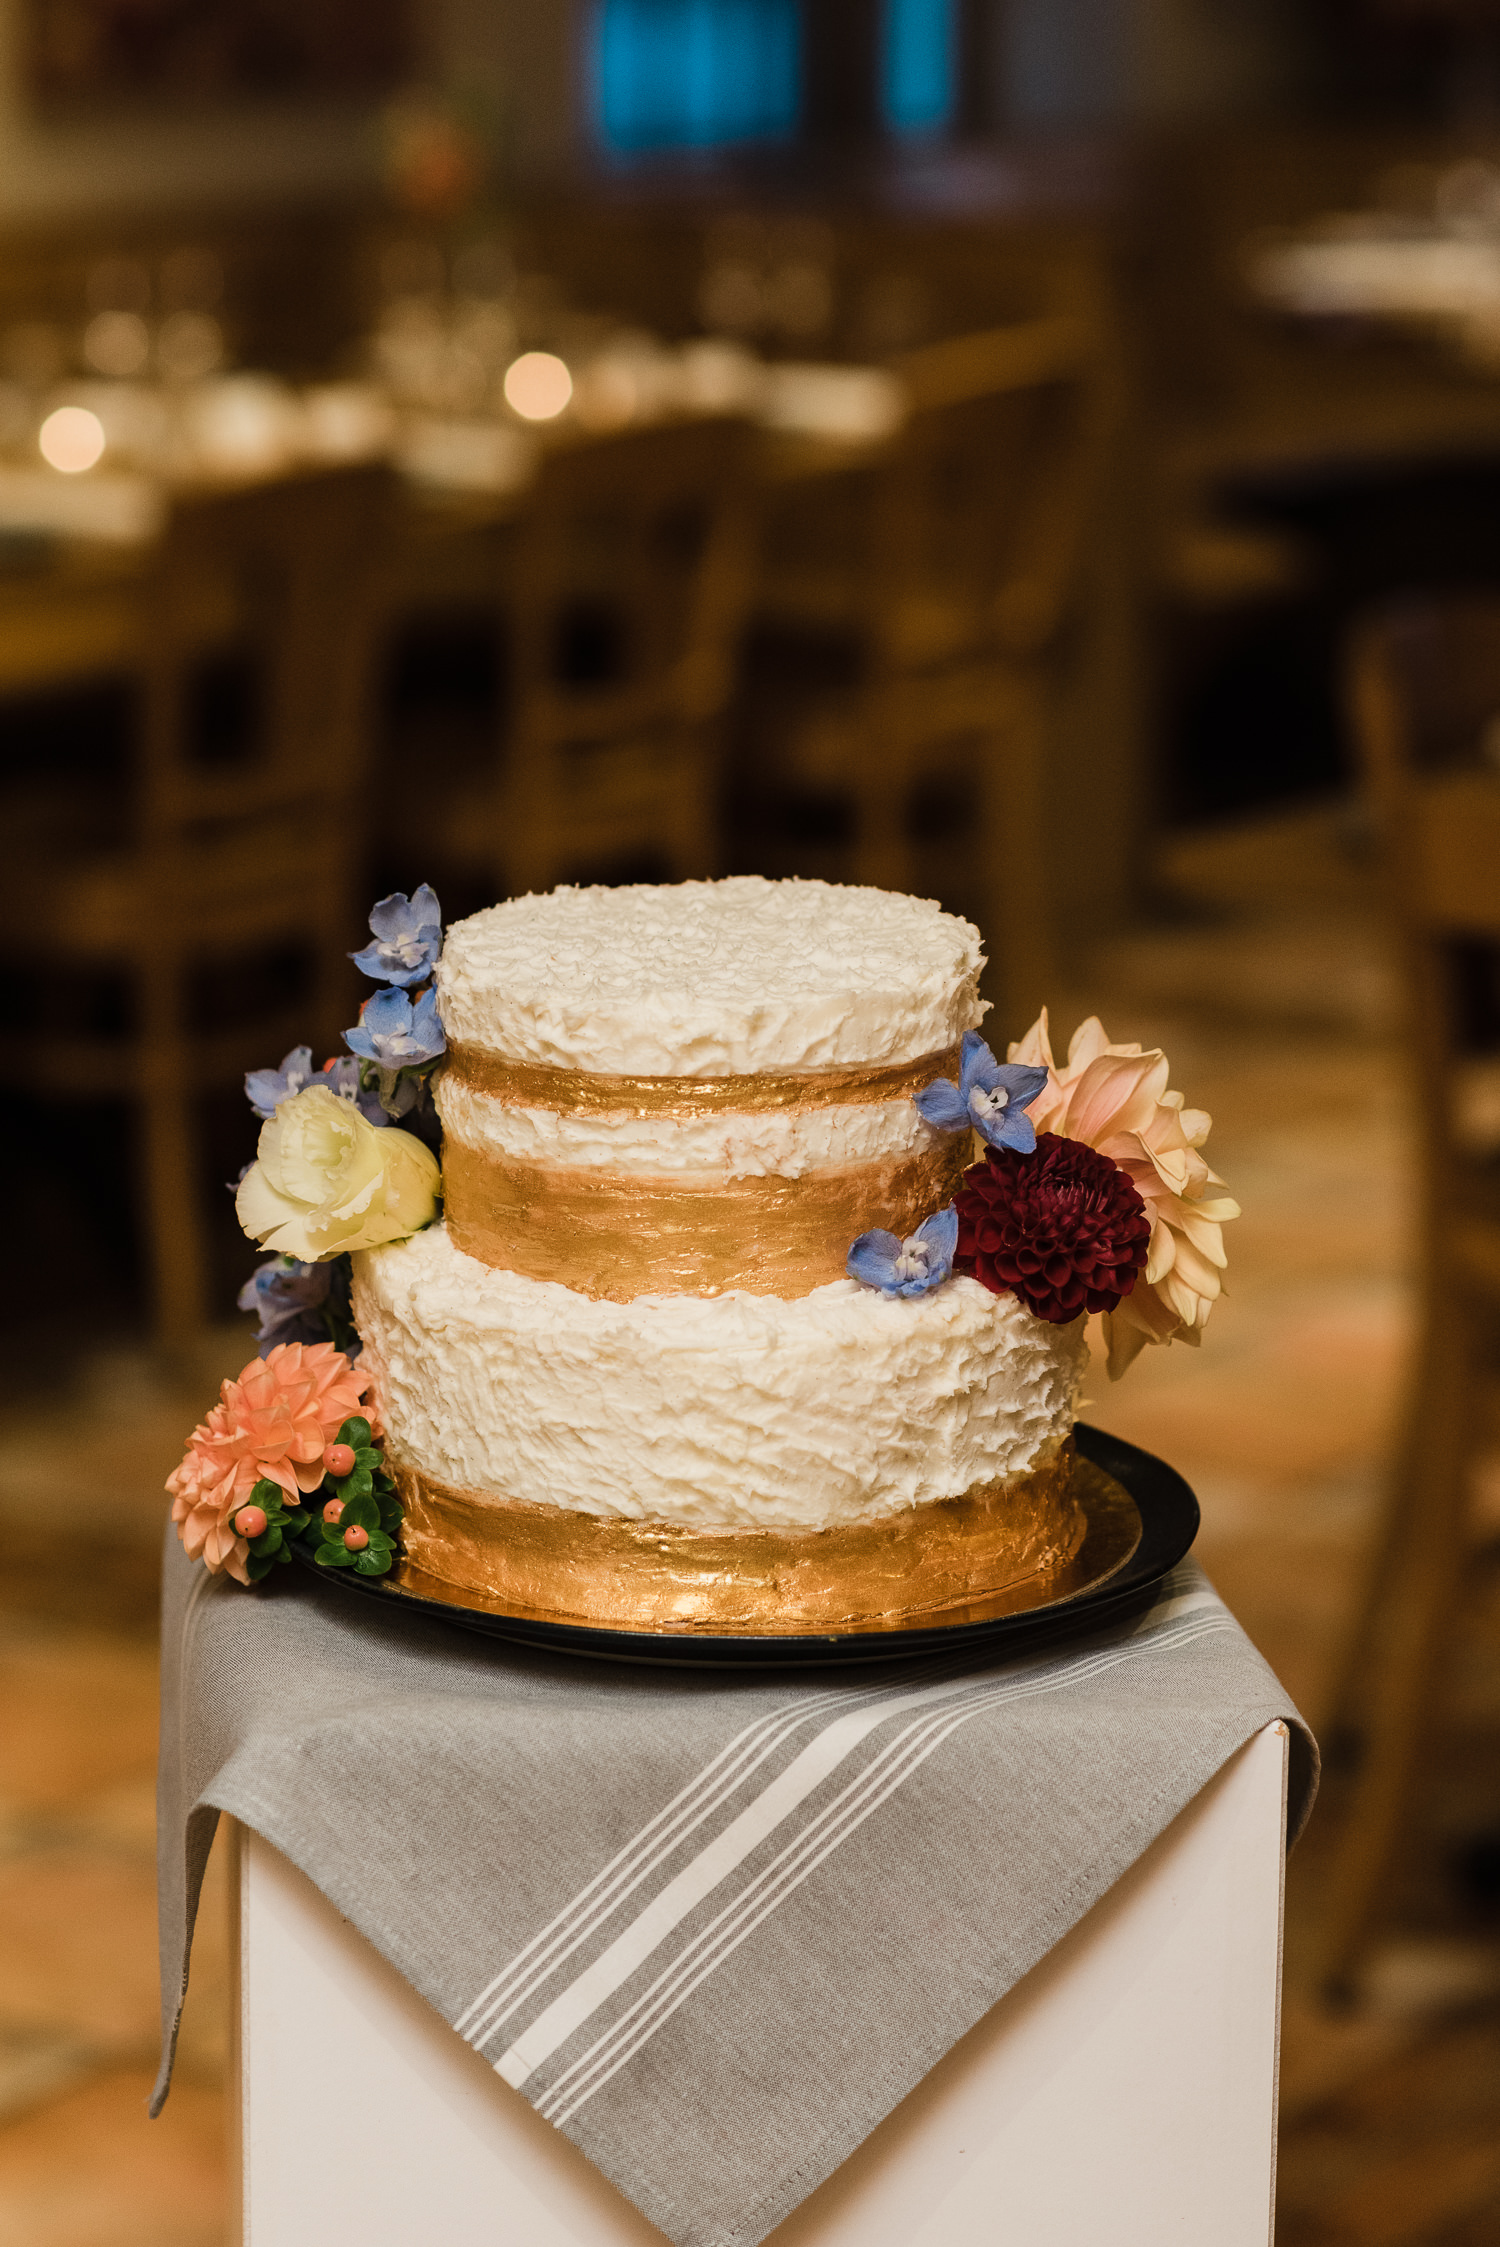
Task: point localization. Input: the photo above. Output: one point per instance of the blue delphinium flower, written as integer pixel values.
(301, 1303)
(990, 1097)
(909, 1267)
(398, 1037)
(408, 935)
(288, 1299)
(265, 1088)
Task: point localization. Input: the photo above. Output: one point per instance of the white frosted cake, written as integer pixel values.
(628, 1379)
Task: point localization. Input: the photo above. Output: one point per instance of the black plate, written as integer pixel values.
(1169, 1523)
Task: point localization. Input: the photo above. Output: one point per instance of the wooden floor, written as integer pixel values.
(1272, 999)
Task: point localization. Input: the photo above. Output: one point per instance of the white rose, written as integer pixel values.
(326, 1179)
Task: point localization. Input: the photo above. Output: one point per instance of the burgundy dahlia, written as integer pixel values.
(1064, 1229)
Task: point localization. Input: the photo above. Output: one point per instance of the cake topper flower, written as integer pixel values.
(408, 934)
(991, 1097)
(910, 1267)
(1063, 1228)
(1115, 1098)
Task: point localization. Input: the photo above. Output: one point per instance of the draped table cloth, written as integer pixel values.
(712, 1924)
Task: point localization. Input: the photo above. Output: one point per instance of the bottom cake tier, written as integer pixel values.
(655, 1575)
(687, 1461)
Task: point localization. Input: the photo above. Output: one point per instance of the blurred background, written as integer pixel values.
(1042, 454)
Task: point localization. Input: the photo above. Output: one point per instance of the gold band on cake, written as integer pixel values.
(617, 1234)
(620, 1574)
(589, 1092)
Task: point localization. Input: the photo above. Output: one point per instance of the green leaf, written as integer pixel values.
(334, 1556)
(298, 1522)
(266, 1495)
(380, 1543)
(360, 1513)
(256, 1568)
(268, 1542)
(372, 1563)
(391, 1512)
(358, 1483)
(355, 1432)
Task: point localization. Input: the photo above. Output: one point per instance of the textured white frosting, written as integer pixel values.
(772, 1144)
(707, 979)
(734, 1411)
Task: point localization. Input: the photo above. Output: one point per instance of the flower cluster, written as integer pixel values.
(1093, 1194)
(330, 1174)
(399, 1037)
(282, 1433)
(272, 1427)
(1115, 1098)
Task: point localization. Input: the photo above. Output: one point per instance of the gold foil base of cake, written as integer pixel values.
(1001, 1549)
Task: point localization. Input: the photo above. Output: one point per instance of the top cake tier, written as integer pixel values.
(711, 979)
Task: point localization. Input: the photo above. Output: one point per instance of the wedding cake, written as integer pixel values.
(722, 1325)
(629, 1376)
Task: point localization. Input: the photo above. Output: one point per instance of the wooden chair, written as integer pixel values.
(244, 831)
(953, 562)
(622, 605)
(1424, 689)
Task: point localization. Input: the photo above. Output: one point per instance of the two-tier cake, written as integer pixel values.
(628, 1378)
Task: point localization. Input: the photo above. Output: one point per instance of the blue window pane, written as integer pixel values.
(695, 73)
(918, 58)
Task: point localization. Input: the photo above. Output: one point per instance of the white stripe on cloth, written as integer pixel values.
(809, 1770)
(635, 2028)
(689, 1809)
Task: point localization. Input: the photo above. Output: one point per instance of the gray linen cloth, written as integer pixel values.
(713, 1924)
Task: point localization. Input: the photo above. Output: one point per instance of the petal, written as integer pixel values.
(943, 1105)
(1086, 1044)
(872, 1259)
(261, 1210)
(976, 1064)
(1035, 1047)
(1114, 1093)
(1161, 1255)
(1011, 1128)
(426, 911)
(1124, 1341)
(940, 1232)
(386, 1014)
(1194, 1269)
(392, 918)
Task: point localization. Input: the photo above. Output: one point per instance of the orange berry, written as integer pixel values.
(356, 1539)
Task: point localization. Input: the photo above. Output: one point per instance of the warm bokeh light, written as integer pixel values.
(537, 386)
(71, 439)
(117, 343)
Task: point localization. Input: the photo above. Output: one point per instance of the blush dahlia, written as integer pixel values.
(1064, 1228)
